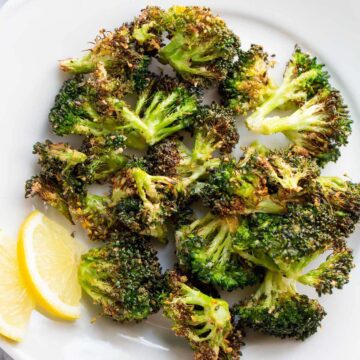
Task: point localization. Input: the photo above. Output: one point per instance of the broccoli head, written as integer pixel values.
(163, 108)
(214, 130)
(205, 248)
(288, 243)
(248, 84)
(201, 47)
(304, 77)
(147, 29)
(123, 277)
(204, 321)
(277, 309)
(342, 195)
(263, 180)
(115, 51)
(143, 202)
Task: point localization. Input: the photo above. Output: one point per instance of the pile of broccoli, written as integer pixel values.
(270, 214)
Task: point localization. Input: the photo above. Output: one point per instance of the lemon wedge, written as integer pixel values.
(16, 304)
(49, 257)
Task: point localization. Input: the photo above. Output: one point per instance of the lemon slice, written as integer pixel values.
(16, 304)
(49, 258)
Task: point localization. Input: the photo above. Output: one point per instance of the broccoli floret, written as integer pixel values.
(143, 202)
(204, 321)
(205, 248)
(50, 191)
(99, 159)
(262, 180)
(288, 243)
(214, 130)
(112, 49)
(162, 109)
(303, 79)
(342, 195)
(277, 309)
(332, 273)
(78, 110)
(123, 277)
(147, 29)
(248, 84)
(201, 47)
(322, 125)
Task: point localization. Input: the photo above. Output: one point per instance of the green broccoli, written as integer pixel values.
(144, 202)
(321, 125)
(214, 130)
(115, 51)
(204, 321)
(263, 180)
(123, 277)
(303, 79)
(277, 309)
(205, 247)
(248, 84)
(201, 47)
(147, 29)
(163, 108)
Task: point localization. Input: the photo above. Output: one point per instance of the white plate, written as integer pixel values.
(34, 34)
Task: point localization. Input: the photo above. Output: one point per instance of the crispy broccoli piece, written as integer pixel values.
(277, 309)
(147, 29)
(342, 195)
(263, 180)
(303, 79)
(332, 273)
(214, 130)
(77, 111)
(201, 47)
(123, 277)
(50, 191)
(248, 84)
(204, 321)
(162, 109)
(115, 51)
(143, 202)
(288, 243)
(322, 125)
(99, 159)
(205, 248)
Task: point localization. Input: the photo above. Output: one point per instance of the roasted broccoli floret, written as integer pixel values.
(147, 29)
(123, 277)
(322, 125)
(50, 191)
(278, 309)
(342, 195)
(99, 159)
(288, 243)
(263, 180)
(205, 248)
(79, 110)
(204, 321)
(248, 84)
(214, 130)
(201, 47)
(143, 202)
(162, 109)
(303, 79)
(115, 51)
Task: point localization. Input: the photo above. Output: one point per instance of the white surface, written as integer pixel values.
(34, 34)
